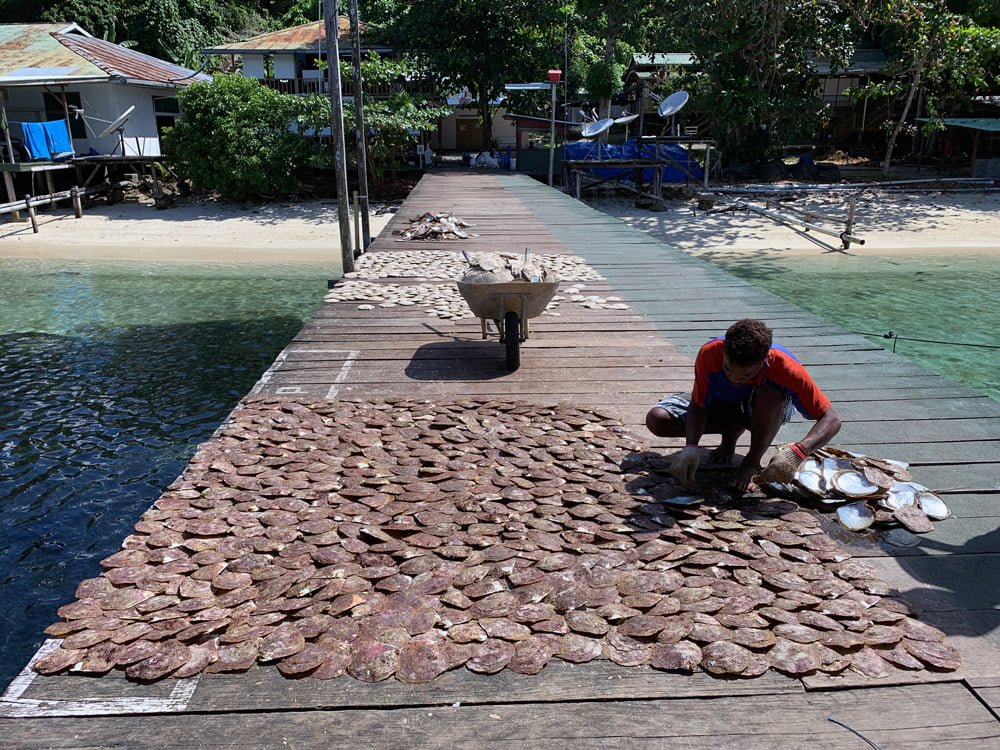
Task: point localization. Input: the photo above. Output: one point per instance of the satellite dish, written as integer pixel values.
(596, 128)
(625, 119)
(673, 103)
(117, 122)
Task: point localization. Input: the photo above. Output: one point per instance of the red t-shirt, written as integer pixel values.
(780, 369)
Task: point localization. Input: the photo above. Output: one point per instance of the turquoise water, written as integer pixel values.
(110, 375)
(951, 298)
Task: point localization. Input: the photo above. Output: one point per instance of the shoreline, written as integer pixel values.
(893, 225)
(305, 233)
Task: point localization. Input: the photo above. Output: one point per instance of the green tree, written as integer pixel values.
(753, 74)
(938, 61)
(483, 44)
(236, 137)
(372, 12)
(611, 32)
(175, 30)
(391, 120)
(981, 12)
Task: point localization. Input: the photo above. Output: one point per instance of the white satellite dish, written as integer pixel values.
(596, 128)
(625, 119)
(673, 103)
(117, 123)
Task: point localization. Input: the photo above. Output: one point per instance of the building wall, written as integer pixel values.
(284, 66)
(253, 66)
(140, 131)
(101, 101)
(445, 139)
(834, 90)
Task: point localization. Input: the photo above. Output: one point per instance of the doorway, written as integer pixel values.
(468, 134)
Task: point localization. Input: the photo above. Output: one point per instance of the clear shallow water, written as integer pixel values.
(110, 375)
(951, 298)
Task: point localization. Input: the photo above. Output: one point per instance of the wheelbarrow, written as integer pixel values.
(509, 305)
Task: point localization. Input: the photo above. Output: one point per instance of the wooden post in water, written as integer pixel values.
(337, 132)
(31, 213)
(359, 124)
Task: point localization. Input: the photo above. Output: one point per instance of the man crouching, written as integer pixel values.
(742, 381)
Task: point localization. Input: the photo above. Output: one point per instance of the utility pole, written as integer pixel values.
(554, 77)
(642, 110)
(337, 131)
(359, 125)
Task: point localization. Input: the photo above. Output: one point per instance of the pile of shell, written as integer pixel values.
(436, 226)
(503, 268)
(868, 491)
(594, 301)
(440, 300)
(406, 538)
(445, 265)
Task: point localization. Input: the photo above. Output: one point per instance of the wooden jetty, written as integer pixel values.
(621, 361)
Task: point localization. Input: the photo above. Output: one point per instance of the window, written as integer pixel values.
(54, 110)
(166, 105)
(167, 109)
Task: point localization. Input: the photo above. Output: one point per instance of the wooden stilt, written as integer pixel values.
(8, 181)
(852, 205)
(31, 213)
(358, 247)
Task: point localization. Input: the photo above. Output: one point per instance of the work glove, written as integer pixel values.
(685, 464)
(785, 463)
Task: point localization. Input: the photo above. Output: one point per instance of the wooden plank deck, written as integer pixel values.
(621, 361)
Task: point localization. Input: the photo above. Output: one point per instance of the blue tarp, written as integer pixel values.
(587, 151)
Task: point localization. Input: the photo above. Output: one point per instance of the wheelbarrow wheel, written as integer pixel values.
(512, 339)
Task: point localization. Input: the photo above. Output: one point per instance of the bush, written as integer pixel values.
(242, 139)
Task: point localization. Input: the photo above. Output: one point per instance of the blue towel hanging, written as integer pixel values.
(57, 138)
(34, 140)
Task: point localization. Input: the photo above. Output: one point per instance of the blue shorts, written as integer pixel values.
(677, 405)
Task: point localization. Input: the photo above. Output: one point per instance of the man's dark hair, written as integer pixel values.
(747, 342)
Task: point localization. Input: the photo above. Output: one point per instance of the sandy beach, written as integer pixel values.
(305, 232)
(891, 223)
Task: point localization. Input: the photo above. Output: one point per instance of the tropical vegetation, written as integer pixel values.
(753, 72)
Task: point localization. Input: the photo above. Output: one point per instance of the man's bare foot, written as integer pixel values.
(722, 456)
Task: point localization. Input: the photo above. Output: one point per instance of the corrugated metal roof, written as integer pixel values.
(862, 61)
(988, 124)
(134, 66)
(64, 53)
(30, 52)
(662, 58)
(307, 37)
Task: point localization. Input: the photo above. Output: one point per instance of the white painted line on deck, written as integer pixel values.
(320, 351)
(269, 372)
(13, 706)
(342, 375)
(292, 390)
